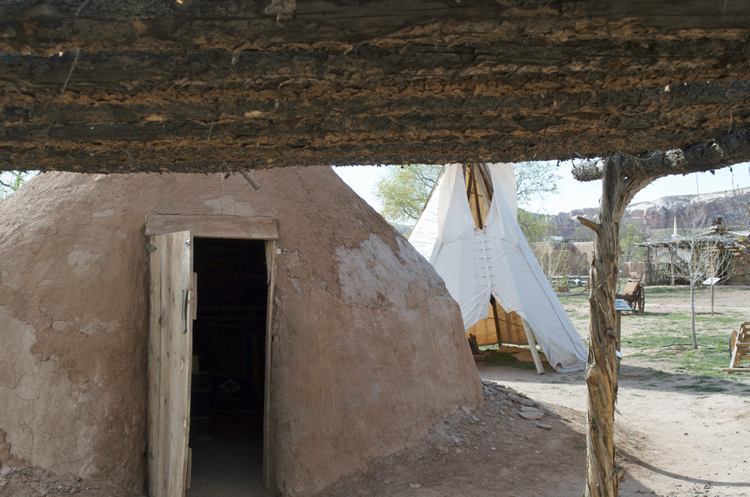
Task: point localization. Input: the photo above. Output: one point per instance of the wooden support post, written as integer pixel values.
(602, 476)
(269, 456)
(532, 347)
(473, 180)
(473, 345)
(189, 467)
(493, 302)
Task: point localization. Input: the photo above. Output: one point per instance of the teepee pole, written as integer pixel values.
(473, 180)
(434, 185)
(480, 179)
(487, 179)
(477, 174)
(532, 347)
(493, 302)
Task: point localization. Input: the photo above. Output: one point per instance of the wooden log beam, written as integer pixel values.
(181, 116)
(517, 72)
(729, 149)
(260, 143)
(269, 148)
(58, 25)
(172, 85)
(521, 66)
(89, 117)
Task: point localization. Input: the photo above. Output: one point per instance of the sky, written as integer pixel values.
(577, 195)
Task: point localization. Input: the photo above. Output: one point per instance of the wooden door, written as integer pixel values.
(169, 362)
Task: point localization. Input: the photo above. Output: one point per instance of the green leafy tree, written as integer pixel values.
(404, 190)
(631, 233)
(553, 256)
(535, 181)
(535, 227)
(11, 181)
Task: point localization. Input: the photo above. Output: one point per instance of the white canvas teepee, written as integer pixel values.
(495, 260)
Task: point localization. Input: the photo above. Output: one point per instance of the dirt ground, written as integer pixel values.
(673, 440)
(23, 481)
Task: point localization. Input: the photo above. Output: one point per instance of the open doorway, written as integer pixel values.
(229, 356)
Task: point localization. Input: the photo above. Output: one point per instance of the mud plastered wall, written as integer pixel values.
(365, 334)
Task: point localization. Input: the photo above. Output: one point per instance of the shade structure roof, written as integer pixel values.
(208, 85)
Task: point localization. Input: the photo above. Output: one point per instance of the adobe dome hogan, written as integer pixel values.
(366, 346)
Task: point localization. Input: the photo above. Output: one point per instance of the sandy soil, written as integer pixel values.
(492, 450)
(672, 441)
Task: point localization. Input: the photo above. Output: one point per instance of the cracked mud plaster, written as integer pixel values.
(81, 260)
(352, 374)
(229, 206)
(373, 275)
(38, 404)
(74, 303)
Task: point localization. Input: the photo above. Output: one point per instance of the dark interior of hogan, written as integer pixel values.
(228, 385)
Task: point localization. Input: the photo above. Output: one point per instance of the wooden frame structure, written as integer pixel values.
(170, 340)
(204, 86)
(739, 348)
(634, 294)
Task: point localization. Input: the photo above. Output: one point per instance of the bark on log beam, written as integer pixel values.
(731, 148)
(363, 81)
(161, 119)
(60, 25)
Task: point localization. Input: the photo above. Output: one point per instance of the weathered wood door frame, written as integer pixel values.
(169, 361)
(232, 227)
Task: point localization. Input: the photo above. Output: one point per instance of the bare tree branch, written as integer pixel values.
(730, 149)
(589, 224)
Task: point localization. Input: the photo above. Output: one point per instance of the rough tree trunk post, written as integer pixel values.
(602, 476)
(622, 177)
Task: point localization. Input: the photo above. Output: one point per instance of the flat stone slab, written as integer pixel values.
(521, 400)
(530, 413)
